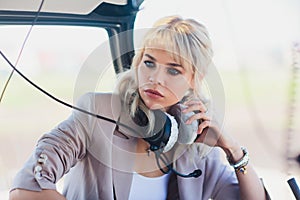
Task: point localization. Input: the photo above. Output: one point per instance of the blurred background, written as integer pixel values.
(257, 54)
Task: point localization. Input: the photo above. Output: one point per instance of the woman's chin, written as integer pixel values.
(155, 106)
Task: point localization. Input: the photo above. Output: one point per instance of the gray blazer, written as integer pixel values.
(98, 163)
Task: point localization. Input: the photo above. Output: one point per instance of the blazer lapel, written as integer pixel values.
(122, 184)
(123, 155)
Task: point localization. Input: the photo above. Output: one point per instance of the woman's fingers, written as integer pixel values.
(209, 133)
(208, 128)
(202, 126)
(198, 116)
(194, 106)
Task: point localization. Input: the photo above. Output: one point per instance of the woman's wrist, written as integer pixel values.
(234, 153)
(239, 163)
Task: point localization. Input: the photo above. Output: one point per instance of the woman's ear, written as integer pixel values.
(192, 83)
(196, 80)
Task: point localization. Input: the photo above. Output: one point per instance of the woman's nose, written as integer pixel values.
(157, 76)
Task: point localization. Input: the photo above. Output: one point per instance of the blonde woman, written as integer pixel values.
(133, 159)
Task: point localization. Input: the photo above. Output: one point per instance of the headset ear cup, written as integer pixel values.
(140, 118)
(139, 123)
(187, 132)
(161, 132)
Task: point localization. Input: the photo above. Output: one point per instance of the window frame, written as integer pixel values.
(115, 19)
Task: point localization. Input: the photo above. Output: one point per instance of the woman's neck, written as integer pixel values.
(145, 163)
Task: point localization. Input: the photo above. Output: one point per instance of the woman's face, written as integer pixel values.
(162, 81)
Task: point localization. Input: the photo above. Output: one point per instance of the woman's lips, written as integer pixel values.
(153, 93)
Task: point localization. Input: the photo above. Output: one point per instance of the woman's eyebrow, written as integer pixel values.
(151, 57)
(169, 64)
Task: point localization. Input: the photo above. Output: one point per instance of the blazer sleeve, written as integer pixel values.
(220, 177)
(57, 151)
(226, 184)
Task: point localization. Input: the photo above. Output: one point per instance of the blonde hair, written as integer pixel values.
(187, 41)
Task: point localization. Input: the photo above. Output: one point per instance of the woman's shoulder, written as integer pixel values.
(99, 102)
(101, 97)
(94, 95)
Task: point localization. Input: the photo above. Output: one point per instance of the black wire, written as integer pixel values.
(158, 155)
(21, 50)
(14, 69)
(64, 103)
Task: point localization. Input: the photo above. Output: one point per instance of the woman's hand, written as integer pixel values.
(209, 132)
(209, 129)
(20, 194)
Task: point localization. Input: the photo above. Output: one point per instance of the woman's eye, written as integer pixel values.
(149, 64)
(173, 71)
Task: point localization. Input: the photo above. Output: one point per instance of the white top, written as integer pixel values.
(147, 188)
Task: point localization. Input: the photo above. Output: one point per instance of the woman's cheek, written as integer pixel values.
(178, 90)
